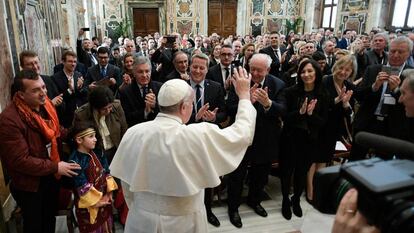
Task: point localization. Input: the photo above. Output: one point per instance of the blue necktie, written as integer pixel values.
(103, 72)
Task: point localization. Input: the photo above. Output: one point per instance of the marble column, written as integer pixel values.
(242, 23)
(375, 14)
(309, 15)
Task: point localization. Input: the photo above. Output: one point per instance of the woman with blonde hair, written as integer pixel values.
(247, 51)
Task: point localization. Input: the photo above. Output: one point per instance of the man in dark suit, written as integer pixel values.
(328, 49)
(103, 73)
(378, 55)
(139, 99)
(221, 72)
(69, 83)
(270, 105)
(84, 50)
(275, 53)
(378, 95)
(180, 61)
(29, 60)
(345, 42)
(209, 106)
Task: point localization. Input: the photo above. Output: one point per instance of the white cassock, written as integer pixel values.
(165, 165)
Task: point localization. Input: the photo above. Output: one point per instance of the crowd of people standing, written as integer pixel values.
(309, 91)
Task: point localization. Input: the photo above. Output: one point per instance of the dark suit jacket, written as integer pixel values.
(51, 88)
(165, 57)
(71, 101)
(212, 63)
(373, 58)
(265, 147)
(395, 124)
(94, 74)
(335, 125)
(214, 96)
(274, 68)
(173, 75)
(80, 67)
(342, 44)
(214, 73)
(115, 122)
(83, 56)
(134, 104)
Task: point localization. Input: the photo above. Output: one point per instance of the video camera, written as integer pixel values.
(385, 188)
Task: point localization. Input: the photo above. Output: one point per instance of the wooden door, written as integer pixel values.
(222, 17)
(146, 21)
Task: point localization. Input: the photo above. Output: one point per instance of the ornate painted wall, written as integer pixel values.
(187, 16)
(353, 15)
(271, 15)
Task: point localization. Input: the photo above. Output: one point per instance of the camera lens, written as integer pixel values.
(400, 219)
(340, 189)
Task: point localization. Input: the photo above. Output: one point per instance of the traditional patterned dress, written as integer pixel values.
(92, 183)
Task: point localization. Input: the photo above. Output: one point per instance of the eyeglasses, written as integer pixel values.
(226, 54)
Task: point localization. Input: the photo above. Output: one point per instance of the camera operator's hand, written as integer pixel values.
(348, 219)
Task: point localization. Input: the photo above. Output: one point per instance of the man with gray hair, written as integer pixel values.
(270, 105)
(139, 99)
(377, 54)
(407, 93)
(378, 94)
(164, 165)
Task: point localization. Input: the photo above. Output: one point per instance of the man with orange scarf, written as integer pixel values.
(29, 130)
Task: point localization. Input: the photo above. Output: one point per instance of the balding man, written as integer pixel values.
(164, 165)
(270, 106)
(378, 95)
(180, 62)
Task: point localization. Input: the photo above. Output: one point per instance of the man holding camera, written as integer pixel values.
(378, 95)
(164, 56)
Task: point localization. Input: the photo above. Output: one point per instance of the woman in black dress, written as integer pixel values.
(340, 89)
(307, 108)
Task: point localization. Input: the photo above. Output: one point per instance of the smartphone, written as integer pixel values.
(386, 69)
(85, 29)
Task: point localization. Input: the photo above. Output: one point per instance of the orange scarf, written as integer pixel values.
(48, 128)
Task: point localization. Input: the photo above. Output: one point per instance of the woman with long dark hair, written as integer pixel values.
(307, 107)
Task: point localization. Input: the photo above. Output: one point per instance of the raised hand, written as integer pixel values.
(79, 83)
(241, 82)
(311, 106)
(302, 109)
(58, 100)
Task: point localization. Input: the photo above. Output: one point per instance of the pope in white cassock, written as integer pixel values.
(164, 165)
